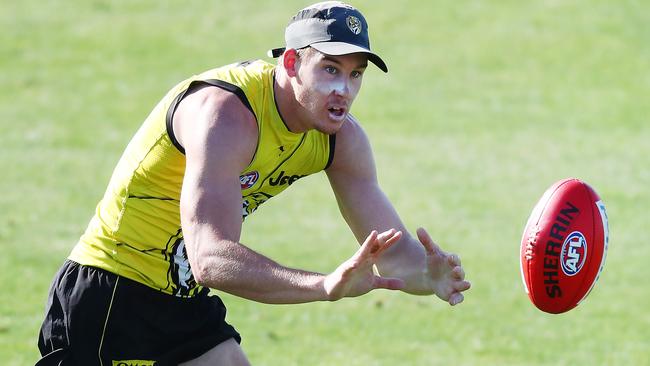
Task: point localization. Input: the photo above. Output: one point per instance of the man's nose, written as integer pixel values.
(342, 87)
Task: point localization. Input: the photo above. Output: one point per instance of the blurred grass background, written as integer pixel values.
(486, 104)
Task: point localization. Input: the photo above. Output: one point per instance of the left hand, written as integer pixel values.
(355, 276)
(444, 272)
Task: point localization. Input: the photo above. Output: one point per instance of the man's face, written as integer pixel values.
(325, 86)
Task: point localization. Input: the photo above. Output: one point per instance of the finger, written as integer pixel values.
(388, 283)
(458, 273)
(427, 242)
(386, 234)
(368, 244)
(394, 237)
(453, 260)
(456, 298)
(462, 286)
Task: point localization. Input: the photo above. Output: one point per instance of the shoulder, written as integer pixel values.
(206, 103)
(210, 116)
(352, 149)
(351, 137)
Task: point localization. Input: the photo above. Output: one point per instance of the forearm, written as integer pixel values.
(370, 210)
(232, 267)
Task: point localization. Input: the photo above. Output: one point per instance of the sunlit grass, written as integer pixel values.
(486, 104)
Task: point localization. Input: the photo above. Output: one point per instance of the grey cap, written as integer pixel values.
(331, 27)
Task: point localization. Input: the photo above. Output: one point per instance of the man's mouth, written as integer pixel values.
(336, 113)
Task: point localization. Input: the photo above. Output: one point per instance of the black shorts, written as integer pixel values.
(95, 317)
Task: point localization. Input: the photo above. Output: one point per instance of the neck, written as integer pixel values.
(285, 100)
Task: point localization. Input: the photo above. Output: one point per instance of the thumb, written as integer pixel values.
(389, 283)
(368, 244)
(427, 242)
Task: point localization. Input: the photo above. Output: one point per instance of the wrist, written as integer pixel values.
(417, 280)
(330, 290)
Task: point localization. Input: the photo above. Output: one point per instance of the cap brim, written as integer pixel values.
(341, 48)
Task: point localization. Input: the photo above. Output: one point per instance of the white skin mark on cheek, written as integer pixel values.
(326, 88)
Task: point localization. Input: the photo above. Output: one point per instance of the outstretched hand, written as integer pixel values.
(444, 271)
(355, 276)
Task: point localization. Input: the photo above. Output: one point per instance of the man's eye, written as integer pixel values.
(330, 69)
(356, 74)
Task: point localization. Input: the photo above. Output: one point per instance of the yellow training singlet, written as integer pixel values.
(136, 230)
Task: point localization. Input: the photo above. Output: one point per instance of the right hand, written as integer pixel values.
(355, 277)
(444, 274)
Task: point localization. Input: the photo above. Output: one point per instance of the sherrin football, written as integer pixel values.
(564, 246)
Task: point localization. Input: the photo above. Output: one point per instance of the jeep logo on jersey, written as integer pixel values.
(574, 253)
(284, 179)
(249, 179)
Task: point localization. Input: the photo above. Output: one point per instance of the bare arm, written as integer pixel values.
(219, 136)
(419, 262)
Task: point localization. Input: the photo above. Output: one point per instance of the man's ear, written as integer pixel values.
(289, 61)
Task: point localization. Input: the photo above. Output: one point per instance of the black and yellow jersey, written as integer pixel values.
(136, 230)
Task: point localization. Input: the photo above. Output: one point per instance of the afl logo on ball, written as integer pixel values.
(354, 24)
(249, 179)
(574, 253)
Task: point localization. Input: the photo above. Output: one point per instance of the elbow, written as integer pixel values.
(201, 275)
(208, 272)
(199, 267)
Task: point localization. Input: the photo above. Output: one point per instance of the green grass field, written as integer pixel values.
(486, 104)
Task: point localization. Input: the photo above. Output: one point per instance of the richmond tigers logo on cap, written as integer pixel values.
(354, 24)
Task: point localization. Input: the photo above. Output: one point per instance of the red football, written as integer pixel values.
(564, 246)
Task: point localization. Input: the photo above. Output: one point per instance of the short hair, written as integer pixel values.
(301, 53)
(305, 52)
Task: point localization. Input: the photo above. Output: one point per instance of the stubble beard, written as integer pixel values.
(316, 113)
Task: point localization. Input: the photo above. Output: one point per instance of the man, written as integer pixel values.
(135, 287)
